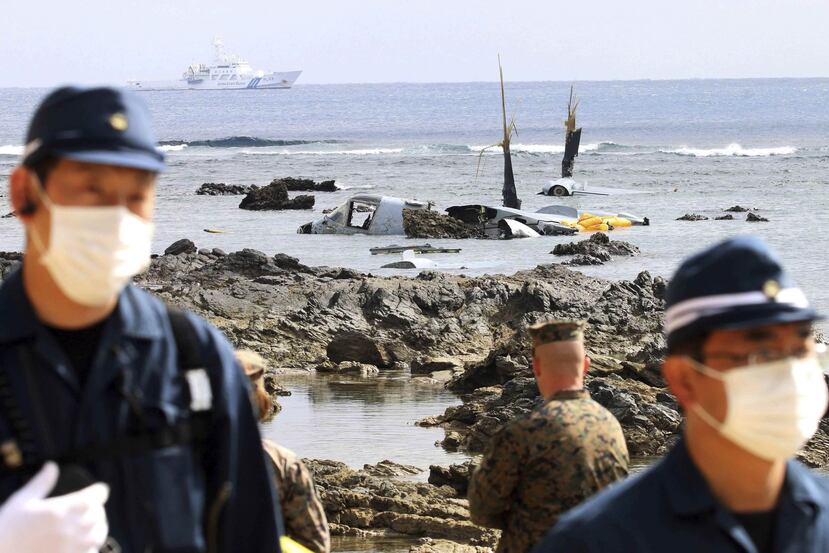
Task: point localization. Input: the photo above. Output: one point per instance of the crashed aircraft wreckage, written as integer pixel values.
(566, 186)
(385, 215)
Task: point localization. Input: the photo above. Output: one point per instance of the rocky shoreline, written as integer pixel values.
(335, 319)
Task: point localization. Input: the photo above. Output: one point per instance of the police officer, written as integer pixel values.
(539, 466)
(302, 509)
(743, 366)
(101, 377)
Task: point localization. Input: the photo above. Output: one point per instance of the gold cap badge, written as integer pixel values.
(118, 121)
(771, 288)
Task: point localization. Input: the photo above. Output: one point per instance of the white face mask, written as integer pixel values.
(94, 251)
(773, 408)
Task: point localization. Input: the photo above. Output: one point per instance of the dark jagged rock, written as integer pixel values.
(356, 346)
(290, 313)
(692, 217)
(581, 260)
(306, 185)
(597, 249)
(737, 209)
(362, 503)
(222, 189)
(728, 217)
(455, 476)
(422, 223)
(754, 218)
(8, 215)
(274, 197)
(391, 469)
(180, 247)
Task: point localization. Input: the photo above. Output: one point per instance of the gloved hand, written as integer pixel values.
(71, 523)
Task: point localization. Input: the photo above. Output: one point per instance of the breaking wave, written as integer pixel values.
(732, 150)
(172, 147)
(357, 152)
(11, 150)
(243, 142)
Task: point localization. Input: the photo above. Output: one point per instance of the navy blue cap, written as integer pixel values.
(739, 283)
(95, 125)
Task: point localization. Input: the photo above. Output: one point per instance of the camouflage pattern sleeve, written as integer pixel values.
(493, 484)
(305, 520)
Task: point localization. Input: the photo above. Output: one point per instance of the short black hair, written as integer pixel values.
(43, 168)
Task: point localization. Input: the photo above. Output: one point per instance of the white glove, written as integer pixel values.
(71, 523)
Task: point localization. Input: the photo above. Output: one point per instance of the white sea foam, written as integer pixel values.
(11, 150)
(358, 152)
(732, 150)
(172, 147)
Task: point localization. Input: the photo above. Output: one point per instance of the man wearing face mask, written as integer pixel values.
(743, 365)
(101, 377)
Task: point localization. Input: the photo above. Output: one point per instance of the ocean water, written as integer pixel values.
(690, 146)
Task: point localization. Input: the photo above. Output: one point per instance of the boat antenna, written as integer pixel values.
(219, 46)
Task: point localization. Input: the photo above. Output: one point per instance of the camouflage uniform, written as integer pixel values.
(539, 466)
(302, 509)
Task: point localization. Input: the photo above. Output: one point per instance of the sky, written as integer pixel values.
(50, 42)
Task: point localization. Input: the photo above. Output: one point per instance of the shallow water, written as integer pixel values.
(363, 420)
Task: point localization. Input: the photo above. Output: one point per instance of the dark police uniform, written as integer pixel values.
(166, 422)
(738, 284)
(671, 508)
(170, 499)
(177, 498)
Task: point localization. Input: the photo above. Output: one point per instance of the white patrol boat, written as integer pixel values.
(228, 72)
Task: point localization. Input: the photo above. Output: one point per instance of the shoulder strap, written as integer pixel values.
(190, 361)
(187, 342)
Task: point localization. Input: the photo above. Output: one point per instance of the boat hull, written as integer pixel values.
(277, 80)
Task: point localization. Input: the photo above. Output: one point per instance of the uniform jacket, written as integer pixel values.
(671, 508)
(539, 466)
(305, 520)
(177, 499)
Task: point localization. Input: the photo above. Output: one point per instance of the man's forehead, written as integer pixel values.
(800, 329)
(82, 168)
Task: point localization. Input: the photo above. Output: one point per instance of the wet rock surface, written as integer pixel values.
(471, 328)
(727, 217)
(8, 215)
(421, 223)
(692, 217)
(754, 218)
(596, 250)
(181, 247)
(369, 502)
(738, 209)
(222, 189)
(306, 185)
(274, 197)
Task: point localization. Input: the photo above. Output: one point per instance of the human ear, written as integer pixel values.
(586, 365)
(536, 367)
(21, 202)
(678, 375)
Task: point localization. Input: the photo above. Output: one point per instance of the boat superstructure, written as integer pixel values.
(228, 72)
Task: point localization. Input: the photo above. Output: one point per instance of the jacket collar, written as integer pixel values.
(18, 320)
(570, 394)
(689, 493)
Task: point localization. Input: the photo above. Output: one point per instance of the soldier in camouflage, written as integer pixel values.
(305, 520)
(539, 466)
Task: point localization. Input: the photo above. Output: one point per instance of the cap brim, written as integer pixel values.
(133, 160)
(743, 318)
